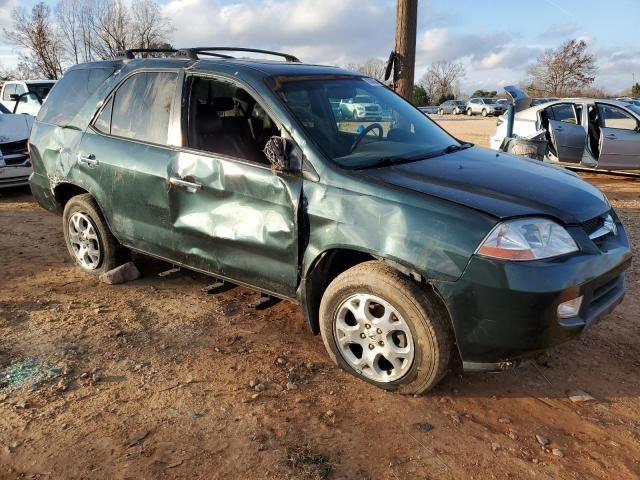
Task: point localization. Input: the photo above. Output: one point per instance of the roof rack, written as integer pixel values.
(209, 51)
(193, 53)
(130, 53)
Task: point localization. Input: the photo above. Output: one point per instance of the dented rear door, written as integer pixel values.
(236, 219)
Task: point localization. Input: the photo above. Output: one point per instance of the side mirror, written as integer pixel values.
(277, 152)
(14, 97)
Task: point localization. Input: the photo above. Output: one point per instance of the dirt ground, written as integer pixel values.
(152, 379)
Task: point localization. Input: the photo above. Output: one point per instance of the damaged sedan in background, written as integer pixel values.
(15, 166)
(595, 133)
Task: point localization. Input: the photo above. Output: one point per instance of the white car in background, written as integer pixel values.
(12, 89)
(15, 164)
(360, 107)
(594, 133)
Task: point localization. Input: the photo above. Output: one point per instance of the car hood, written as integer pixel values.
(499, 184)
(14, 127)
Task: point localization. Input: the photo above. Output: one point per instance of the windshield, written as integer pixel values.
(460, 102)
(490, 101)
(634, 108)
(4, 109)
(390, 130)
(42, 89)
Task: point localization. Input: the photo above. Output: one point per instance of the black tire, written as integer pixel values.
(112, 254)
(469, 112)
(484, 112)
(427, 320)
(441, 112)
(354, 115)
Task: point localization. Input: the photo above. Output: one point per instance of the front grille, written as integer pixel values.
(14, 147)
(14, 160)
(371, 109)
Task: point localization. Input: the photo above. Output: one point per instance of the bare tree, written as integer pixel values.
(374, 67)
(442, 78)
(111, 25)
(37, 35)
(563, 71)
(149, 27)
(68, 19)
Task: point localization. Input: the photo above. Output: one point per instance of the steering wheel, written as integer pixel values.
(362, 134)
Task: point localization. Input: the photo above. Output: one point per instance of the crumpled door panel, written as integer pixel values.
(240, 222)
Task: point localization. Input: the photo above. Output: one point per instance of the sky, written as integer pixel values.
(495, 39)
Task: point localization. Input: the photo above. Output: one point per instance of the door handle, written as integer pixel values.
(611, 136)
(189, 186)
(88, 159)
(559, 129)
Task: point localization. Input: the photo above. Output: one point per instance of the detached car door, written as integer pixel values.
(619, 138)
(125, 155)
(232, 214)
(568, 136)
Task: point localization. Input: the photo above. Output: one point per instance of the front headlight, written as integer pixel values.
(527, 239)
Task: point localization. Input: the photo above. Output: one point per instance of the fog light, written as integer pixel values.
(570, 308)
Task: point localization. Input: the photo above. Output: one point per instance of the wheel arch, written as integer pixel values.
(330, 263)
(63, 192)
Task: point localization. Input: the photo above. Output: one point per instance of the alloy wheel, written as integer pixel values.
(373, 338)
(84, 240)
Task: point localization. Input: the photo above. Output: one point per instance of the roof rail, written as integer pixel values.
(192, 53)
(209, 51)
(130, 53)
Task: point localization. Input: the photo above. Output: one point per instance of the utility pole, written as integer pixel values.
(405, 50)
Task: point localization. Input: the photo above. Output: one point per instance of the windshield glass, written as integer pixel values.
(490, 101)
(385, 130)
(634, 108)
(42, 89)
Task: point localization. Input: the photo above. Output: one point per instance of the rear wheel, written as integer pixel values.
(382, 327)
(90, 243)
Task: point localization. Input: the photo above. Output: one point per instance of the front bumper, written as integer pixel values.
(503, 312)
(11, 176)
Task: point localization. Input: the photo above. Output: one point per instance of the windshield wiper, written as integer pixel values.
(455, 148)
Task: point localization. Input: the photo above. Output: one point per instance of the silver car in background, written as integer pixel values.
(454, 107)
(594, 133)
(484, 106)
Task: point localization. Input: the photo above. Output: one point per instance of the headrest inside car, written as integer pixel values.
(223, 104)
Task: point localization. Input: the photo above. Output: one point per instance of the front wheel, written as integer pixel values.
(441, 112)
(469, 112)
(484, 112)
(383, 327)
(90, 243)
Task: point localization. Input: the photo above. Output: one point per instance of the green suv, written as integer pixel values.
(407, 249)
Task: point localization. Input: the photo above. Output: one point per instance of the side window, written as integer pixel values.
(8, 91)
(564, 112)
(142, 105)
(20, 89)
(224, 118)
(614, 117)
(70, 93)
(103, 122)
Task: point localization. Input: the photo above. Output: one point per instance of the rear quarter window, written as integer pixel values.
(70, 93)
